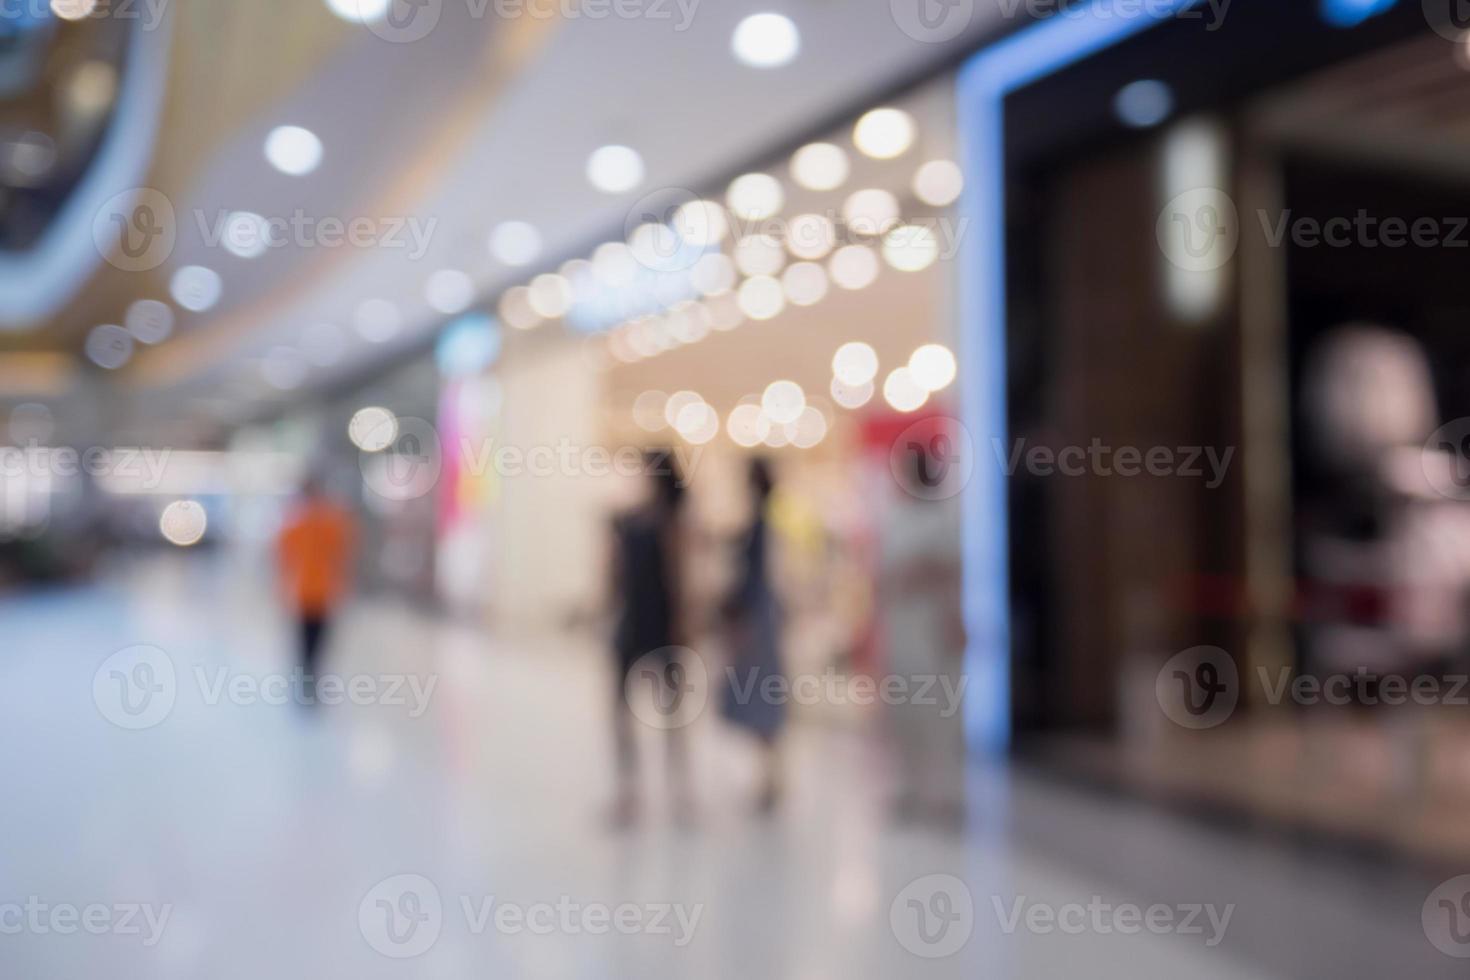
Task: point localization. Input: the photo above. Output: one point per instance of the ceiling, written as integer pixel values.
(485, 119)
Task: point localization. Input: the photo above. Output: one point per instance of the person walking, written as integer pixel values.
(315, 551)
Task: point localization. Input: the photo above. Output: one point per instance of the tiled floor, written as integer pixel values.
(286, 844)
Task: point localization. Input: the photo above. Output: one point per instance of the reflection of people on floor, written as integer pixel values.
(316, 550)
(919, 573)
(753, 616)
(647, 583)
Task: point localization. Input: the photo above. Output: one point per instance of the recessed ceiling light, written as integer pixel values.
(360, 11)
(109, 346)
(885, 133)
(820, 166)
(1144, 103)
(615, 169)
(377, 320)
(766, 41)
(293, 150)
(450, 291)
(196, 288)
(939, 183)
(755, 197)
(515, 243)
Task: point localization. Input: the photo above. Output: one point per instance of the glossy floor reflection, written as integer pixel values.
(235, 838)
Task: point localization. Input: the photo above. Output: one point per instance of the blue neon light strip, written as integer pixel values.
(1023, 58)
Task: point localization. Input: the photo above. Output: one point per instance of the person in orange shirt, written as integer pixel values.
(316, 550)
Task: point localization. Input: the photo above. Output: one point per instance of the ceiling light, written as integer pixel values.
(805, 283)
(697, 423)
(755, 197)
(854, 267)
(933, 367)
(149, 321)
(516, 311)
(762, 297)
(820, 167)
(515, 243)
(760, 255)
(293, 150)
(615, 169)
(196, 288)
(676, 404)
(377, 320)
(550, 295)
(747, 425)
(109, 346)
(855, 364)
(701, 223)
(939, 183)
(766, 41)
(372, 429)
(246, 234)
(360, 11)
(450, 291)
(783, 402)
(1144, 103)
(910, 248)
(903, 392)
(811, 236)
(885, 133)
(183, 523)
(851, 396)
(871, 211)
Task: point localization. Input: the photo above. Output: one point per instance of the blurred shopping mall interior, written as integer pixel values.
(767, 488)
